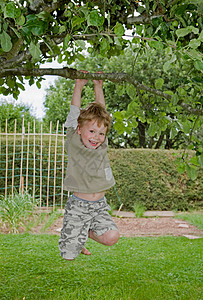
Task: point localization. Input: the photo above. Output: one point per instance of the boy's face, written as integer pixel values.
(91, 134)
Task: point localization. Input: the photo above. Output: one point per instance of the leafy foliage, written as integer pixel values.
(11, 111)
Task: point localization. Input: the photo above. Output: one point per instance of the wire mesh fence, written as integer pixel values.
(35, 163)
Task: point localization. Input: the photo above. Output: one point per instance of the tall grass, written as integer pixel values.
(139, 209)
(15, 211)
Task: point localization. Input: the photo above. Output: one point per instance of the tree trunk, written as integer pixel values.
(141, 134)
(159, 142)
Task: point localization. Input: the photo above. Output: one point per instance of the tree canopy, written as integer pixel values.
(36, 32)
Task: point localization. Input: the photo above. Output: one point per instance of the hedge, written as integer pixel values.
(150, 178)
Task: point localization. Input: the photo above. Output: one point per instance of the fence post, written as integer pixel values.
(28, 145)
(6, 175)
(40, 193)
(34, 161)
(21, 161)
(62, 175)
(57, 127)
(49, 158)
(13, 165)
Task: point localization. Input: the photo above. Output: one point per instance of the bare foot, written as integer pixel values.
(85, 251)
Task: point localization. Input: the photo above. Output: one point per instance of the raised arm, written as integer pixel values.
(99, 94)
(79, 84)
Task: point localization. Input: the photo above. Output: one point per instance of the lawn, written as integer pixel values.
(135, 268)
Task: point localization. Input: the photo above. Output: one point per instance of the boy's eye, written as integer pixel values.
(101, 133)
(92, 131)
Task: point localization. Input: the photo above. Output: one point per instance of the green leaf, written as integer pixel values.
(35, 51)
(38, 84)
(152, 129)
(11, 11)
(174, 99)
(119, 115)
(195, 161)
(181, 91)
(120, 90)
(201, 36)
(34, 25)
(20, 20)
(134, 122)
(66, 41)
(94, 19)
(198, 65)
(186, 127)
(201, 160)
(159, 83)
(182, 32)
(191, 171)
(103, 44)
(6, 43)
(119, 29)
(131, 91)
(167, 66)
(173, 132)
(62, 29)
(181, 168)
(194, 43)
(156, 44)
(77, 21)
(38, 28)
(185, 31)
(119, 126)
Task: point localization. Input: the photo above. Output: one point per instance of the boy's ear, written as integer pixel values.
(78, 130)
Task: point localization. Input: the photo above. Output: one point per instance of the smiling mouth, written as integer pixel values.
(94, 144)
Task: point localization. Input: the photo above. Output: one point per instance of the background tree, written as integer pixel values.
(12, 111)
(36, 32)
(165, 132)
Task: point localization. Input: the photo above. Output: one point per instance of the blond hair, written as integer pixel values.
(95, 111)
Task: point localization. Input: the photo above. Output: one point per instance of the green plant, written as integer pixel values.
(15, 211)
(139, 210)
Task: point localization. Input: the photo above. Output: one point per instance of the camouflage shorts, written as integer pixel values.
(81, 216)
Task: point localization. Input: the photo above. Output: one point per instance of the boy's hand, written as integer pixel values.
(81, 82)
(98, 82)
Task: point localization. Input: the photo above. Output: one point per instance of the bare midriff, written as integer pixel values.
(90, 197)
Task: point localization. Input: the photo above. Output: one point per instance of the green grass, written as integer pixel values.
(134, 268)
(194, 218)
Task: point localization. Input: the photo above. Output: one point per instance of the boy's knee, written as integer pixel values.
(113, 237)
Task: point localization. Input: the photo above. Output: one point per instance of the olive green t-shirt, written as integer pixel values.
(88, 170)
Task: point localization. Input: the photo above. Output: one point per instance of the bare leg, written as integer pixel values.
(108, 238)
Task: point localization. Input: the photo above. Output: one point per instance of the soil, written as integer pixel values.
(135, 227)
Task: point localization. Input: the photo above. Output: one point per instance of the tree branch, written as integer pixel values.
(74, 74)
(142, 19)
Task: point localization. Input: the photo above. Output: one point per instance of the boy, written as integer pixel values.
(88, 176)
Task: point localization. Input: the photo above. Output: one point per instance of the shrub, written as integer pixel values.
(150, 177)
(15, 211)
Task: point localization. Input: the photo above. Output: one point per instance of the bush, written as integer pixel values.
(150, 178)
(15, 211)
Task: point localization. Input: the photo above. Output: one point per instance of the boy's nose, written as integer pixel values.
(96, 136)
